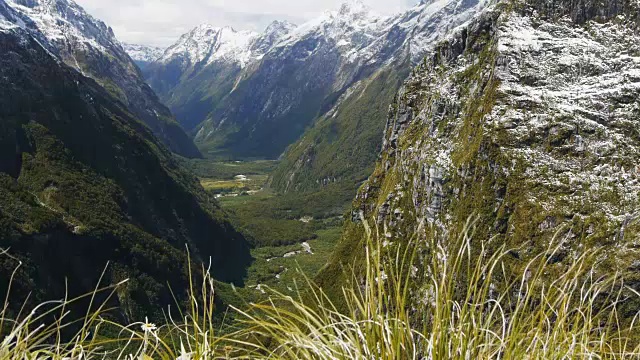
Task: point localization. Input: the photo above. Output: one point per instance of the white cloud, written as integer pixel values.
(161, 22)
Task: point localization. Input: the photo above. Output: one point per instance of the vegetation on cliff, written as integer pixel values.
(526, 117)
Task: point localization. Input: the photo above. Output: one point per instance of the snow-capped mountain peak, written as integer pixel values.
(356, 13)
(273, 34)
(354, 7)
(353, 25)
(207, 43)
(143, 53)
(233, 45)
(278, 26)
(62, 22)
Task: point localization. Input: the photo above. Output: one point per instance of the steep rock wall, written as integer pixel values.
(527, 119)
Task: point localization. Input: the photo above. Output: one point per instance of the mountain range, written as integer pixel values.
(314, 95)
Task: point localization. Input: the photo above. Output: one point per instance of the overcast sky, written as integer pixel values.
(161, 22)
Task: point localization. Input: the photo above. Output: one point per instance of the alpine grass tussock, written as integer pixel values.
(468, 310)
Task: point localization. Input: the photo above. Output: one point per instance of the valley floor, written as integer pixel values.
(293, 235)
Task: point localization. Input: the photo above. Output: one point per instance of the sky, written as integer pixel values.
(161, 22)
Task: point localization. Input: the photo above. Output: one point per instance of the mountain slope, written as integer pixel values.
(298, 80)
(203, 67)
(90, 46)
(342, 146)
(83, 183)
(527, 119)
(344, 143)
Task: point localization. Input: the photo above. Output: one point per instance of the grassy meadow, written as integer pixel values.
(293, 235)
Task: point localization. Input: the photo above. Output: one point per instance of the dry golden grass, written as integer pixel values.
(463, 315)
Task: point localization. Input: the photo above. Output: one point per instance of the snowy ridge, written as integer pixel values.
(362, 35)
(359, 34)
(232, 45)
(207, 44)
(143, 52)
(414, 32)
(274, 33)
(63, 22)
(430, 22)
(352, 29)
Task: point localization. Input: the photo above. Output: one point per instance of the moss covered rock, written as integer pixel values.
(526, 118)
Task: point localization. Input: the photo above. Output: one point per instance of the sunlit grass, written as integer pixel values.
(472, 306)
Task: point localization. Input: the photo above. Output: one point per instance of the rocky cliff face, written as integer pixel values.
(89, 46)
(83, 183)
(528, 119)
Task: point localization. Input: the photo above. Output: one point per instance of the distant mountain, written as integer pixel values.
(255, 104)
(203, 67)
(302, 77)
(206, 44)
(263, 105)
(84, 183)
(143, 55)
(89, 46)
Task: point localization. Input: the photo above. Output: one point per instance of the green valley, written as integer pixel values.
(456, 180)
(289, 232)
